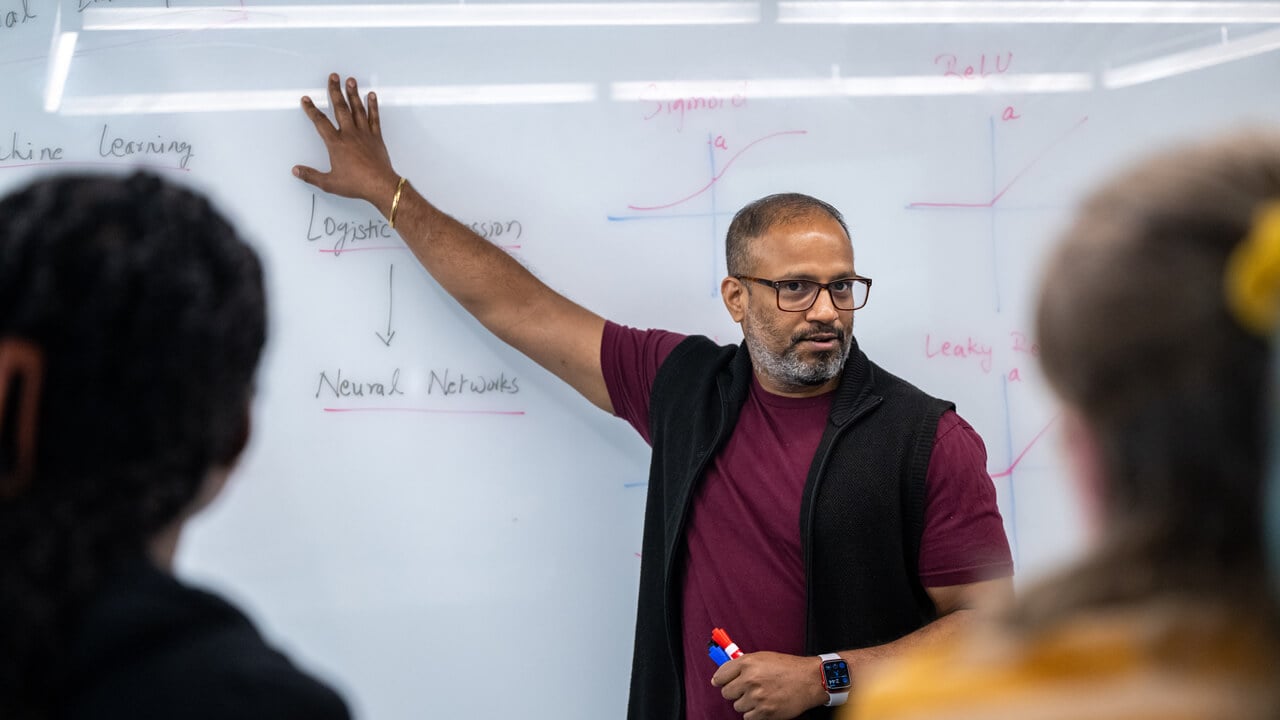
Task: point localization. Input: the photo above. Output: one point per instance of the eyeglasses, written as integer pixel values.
(799, 295)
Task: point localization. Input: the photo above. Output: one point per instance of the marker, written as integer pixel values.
(731, 649)
(717, 654)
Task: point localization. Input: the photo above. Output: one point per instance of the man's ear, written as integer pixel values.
(734, 294)
(22, 369)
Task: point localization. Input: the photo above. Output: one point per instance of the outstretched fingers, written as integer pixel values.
(359, 165)
(341, 112)
(319, 119)
(358, 114)
(375, 122)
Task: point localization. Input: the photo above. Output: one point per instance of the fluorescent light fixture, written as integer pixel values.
(528, 94)
(1150, 12)
(234, 17)
(64, 47)
(183, 102)
(902, 85)
(1191, 60)
(223, 100)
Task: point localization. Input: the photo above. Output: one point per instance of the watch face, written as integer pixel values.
(835, 675)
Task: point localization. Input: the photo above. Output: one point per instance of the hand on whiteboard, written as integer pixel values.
(771, 686)
(493, 286)
(359, 165)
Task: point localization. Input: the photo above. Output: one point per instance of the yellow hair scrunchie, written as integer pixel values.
(1253, 274)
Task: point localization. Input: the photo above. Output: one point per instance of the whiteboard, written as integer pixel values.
(396, 543)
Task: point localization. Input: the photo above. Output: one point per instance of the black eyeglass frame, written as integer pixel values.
(777, 293)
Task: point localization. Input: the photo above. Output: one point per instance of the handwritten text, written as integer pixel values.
(338, 386)
(121, 147)
(449, 384)
(13, 18)
(497, 229)
(344, 232)
(969, 348)
(997, 64)
(21, 151)
(658, 105)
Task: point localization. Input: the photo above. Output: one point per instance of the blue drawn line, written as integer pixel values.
(991, 217)
(634, 484)
(1013, 497)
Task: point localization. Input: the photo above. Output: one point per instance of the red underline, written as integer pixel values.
(423, 410)
(392, 247)
(49, 163)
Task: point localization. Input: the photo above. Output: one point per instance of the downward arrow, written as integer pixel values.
(391, 300)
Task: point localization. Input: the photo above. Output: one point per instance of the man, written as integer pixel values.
(851, 538)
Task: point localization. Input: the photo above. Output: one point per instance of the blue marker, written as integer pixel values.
(717, 653)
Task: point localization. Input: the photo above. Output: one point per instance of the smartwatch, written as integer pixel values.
(835, 678)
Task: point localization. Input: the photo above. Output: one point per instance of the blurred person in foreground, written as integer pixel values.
(1148, 338)
(132, 317)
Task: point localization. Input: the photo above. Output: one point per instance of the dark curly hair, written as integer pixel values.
(149, 311)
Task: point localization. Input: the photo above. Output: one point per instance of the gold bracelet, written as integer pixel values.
(395, 203)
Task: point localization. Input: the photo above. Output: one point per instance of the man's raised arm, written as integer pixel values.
(506, 298)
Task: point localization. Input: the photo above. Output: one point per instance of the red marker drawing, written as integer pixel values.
(722, 639)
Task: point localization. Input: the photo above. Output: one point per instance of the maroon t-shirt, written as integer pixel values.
(742, 566)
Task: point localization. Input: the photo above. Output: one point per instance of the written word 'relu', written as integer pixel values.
(998, 64)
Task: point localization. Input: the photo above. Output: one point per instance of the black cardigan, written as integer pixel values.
(861, 518)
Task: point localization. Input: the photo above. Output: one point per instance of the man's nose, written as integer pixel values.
(823, 308)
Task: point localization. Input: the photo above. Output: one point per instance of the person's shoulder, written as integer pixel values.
(1103, 664)
(190, 654)
(619, 332)
(984, 671)
(928, 681)
(953, 427)
(235, 665)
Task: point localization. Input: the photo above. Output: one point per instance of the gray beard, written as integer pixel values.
(789, 370)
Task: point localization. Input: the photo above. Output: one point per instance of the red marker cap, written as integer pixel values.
(722, 639)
